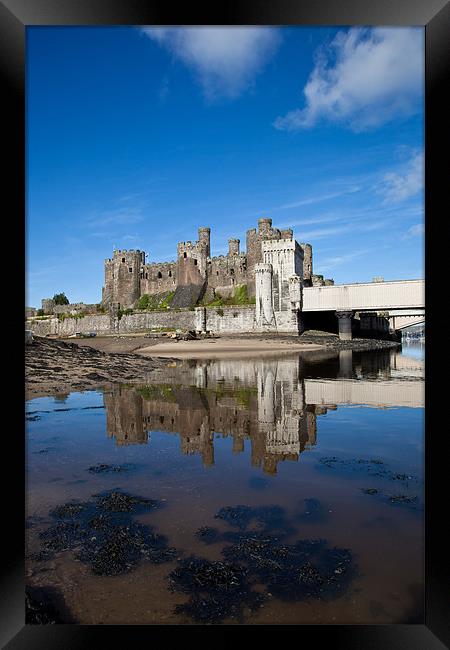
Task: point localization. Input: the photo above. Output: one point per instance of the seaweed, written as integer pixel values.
(103, 534)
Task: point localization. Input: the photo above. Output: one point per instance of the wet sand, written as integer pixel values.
(224, 348)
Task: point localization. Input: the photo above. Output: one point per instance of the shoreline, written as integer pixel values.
(55, 366)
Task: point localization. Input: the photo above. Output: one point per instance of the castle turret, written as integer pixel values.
(264, 226)
(307, 264)
(264, 314)
(233, 247)
(204, 239)
(122, 277)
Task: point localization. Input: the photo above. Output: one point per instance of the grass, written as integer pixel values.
(240, 297)
(155, 302)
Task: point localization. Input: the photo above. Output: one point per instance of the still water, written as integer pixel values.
(271, 490)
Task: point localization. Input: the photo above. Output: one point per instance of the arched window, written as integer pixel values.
(170, 274)
(195, 262)
(159, 275)
(184, 255)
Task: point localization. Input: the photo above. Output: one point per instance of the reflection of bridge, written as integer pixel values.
(400, 297)
(380, 394)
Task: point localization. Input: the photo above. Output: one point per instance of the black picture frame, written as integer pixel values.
(434, 15)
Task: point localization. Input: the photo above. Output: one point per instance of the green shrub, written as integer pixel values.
(124, 312)
(60, 299)
(40, 312)
(144, 301)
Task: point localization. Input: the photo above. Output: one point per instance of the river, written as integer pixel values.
(273, 490)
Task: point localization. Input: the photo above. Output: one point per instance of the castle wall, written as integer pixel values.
(101, 324)
(158, 278)
(227, 271)
(154, 319)
(189, 271)
(230, 319)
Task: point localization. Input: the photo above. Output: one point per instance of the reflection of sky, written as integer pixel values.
(413, 350)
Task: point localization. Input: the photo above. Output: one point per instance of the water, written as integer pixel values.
(334, 441)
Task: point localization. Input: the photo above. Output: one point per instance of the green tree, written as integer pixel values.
(60, 299)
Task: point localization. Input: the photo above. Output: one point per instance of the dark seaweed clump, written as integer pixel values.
(372, 466)
(104, 535)
(292, 572)
(103, 468)
(305, 570)
(402, 498)
(218, 590)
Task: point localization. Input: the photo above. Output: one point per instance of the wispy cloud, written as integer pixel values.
(316, 199)
(224, 59)
(363, 79)
(121, 216)
(330, 263)
(405, 182)
(415, 231)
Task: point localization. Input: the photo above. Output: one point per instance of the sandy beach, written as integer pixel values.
(224, 348)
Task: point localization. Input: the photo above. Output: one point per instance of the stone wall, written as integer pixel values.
(95, 323)
(227, 319)
(184, 320)
(75, 308)
(158, 278)
(102, 324)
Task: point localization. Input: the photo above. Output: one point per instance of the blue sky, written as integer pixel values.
(137, 136)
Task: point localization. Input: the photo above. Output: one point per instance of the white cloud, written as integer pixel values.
(365, 78)
(415, 231)
(408, 181)
(225, 59)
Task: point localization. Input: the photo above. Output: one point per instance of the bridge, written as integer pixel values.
(402, 299)
(403, 318)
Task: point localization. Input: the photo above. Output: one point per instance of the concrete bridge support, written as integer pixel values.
(345, 325)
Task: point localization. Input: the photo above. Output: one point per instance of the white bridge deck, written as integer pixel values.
(370, 296)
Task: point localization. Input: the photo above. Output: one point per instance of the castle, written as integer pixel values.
(274, 269)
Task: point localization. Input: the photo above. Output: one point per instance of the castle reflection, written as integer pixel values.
(272, 403)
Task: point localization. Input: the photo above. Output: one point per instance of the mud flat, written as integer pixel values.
(53, 367)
